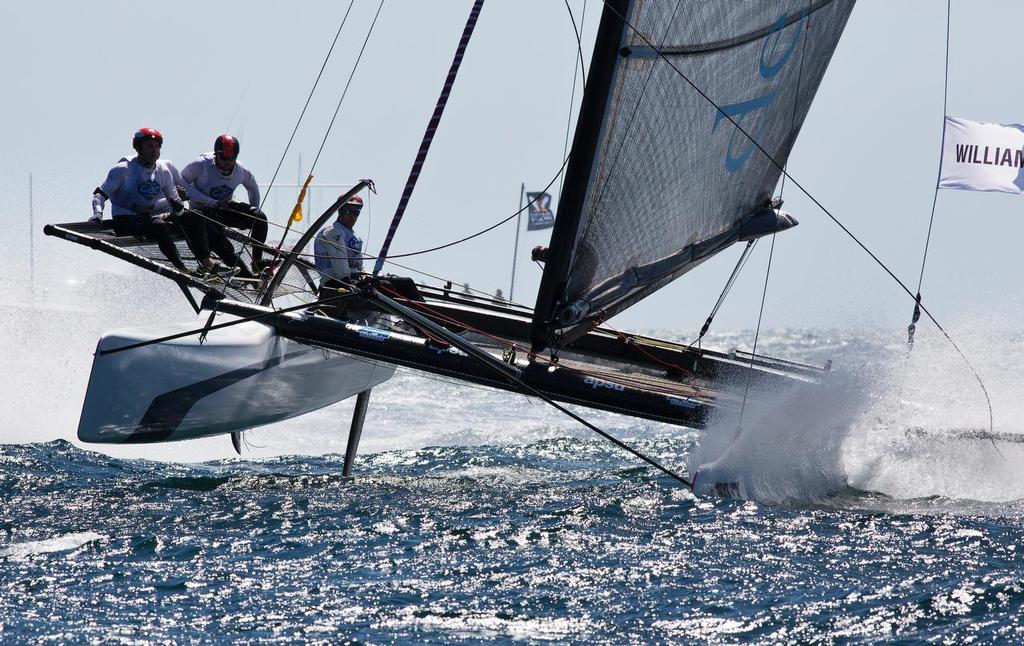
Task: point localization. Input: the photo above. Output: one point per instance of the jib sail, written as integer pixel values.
(660, 179)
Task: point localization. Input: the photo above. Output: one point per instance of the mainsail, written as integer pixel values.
(660, 178)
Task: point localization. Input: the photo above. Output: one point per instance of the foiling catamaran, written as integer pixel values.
(688, 116)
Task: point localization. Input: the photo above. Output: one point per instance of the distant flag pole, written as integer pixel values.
(515, 250)
(31, 241)
(428, 136)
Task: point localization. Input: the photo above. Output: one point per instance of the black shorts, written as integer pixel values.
(138, 225)
(237, 215)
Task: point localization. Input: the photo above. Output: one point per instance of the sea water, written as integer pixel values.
(482, 516)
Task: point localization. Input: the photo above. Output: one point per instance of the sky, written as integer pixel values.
(81, 77)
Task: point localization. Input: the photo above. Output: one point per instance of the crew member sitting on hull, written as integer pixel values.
(211, 181)
(143, 194)
(339, 255)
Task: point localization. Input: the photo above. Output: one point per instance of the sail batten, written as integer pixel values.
(672, 180)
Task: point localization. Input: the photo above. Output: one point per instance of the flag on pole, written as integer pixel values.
(541, 215)
(982, 156)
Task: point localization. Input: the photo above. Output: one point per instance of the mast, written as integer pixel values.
(578, 172)
(31, 241)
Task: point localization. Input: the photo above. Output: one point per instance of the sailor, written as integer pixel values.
(211, 181)
(143, 194)
(339, 260)
(338, 250)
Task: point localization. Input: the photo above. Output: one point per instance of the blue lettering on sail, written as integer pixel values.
(770, 62)
(770, 69)
(737, 111)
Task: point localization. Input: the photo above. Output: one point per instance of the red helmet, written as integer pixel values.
(352, 206)
(226, 147)
(143, 134)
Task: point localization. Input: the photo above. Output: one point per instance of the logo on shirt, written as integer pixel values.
(222, 192)
(149, 189)
(355, 244)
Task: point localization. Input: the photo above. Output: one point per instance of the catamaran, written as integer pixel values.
(689, 114)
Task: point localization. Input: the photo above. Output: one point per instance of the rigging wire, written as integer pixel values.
(575, 76)
(348, 83)
(757, 334)
(308, 99)
(935, 197)
(916, 316)
(334, 117)
(813, 199)
(740, 264)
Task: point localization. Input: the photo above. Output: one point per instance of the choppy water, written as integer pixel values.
(554, 540)
(476, 516)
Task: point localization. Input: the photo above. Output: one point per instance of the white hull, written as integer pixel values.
(242, 376)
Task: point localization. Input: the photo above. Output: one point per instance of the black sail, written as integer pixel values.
(659, 178)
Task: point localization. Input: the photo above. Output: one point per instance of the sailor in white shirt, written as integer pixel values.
(211, 181)
(338, 250)
(339, 260)
(143, 194)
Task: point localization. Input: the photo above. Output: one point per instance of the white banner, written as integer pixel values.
(982, 156)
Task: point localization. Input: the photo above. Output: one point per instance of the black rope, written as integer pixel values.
(608, 436)
(935, 197)
(308, 99)
(816, 202)
(478, 233)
